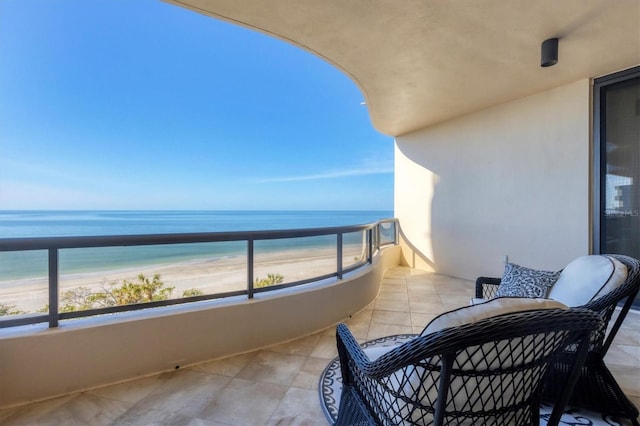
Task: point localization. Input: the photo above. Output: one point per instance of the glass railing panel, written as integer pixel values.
(24, 283)
(291, 260)
(104, 277)
(387, 233)
(354, 249)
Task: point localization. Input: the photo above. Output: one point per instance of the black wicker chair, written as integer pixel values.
(596, 388)
(489, 372)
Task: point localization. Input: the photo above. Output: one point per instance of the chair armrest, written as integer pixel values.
(348, 348)
(352, 356)
(486, 287)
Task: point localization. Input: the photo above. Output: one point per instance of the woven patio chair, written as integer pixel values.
(487, 372)
(596, 388)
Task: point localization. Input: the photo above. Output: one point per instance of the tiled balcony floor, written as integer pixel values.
(279, 385)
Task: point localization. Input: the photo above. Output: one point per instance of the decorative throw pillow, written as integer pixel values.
(519, 281)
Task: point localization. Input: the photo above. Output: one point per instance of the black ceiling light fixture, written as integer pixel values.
(549, 52)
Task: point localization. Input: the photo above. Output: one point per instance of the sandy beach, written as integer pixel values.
(214, 275)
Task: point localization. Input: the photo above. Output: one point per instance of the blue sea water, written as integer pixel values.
(24, 224)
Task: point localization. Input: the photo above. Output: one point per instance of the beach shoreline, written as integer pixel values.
(209, 275)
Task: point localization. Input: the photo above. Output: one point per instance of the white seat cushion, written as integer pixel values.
(494, 307)
(376, 352)
(403, 381)
(587, 278)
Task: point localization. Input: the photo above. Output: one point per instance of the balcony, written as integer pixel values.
(493, 159)
(279, 384)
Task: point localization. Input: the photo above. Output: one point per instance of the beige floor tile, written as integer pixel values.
(416, 272)
(433, 307)
(382, 330)
(629, 336)
(392, 305)
(80, 409)
(395, 284)
(184, 391)
(299, 407)
(450, 300)
(392, 277)
(132, 391)
(227, 366)
(30, 413)
(203, 422)
(371, 305)
(326, 348)
(425, 293)
(149, 416)
(328, 332)
(391, 317)
(364, 315)
(421, 283)
(309, 376)
(302, 346)
(393, 295)
(359, 329)
(622, 355)
(628, 378)
(419, 319)
(273, 367)
(455, 290)
(419, 279)
(449, 280)
(245, 402)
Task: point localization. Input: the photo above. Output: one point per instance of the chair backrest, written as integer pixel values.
(606, 304)
(489, 372)
(587, 278)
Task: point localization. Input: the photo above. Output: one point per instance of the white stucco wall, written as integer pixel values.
(509, 180)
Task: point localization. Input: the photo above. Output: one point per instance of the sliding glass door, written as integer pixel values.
(617, 154)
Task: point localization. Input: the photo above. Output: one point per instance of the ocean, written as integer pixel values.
(31, 264)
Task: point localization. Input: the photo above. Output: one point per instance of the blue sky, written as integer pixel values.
(121, 104)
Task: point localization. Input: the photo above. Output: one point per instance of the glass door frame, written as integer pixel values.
(599, 144)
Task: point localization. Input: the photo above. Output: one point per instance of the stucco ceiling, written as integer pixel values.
(420, 62)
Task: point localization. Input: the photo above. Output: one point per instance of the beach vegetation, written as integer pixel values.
(9, 310)
(272, 279)
(141, 290)
(77, 299)
(190, 292)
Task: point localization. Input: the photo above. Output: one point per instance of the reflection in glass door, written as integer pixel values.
(617, 125)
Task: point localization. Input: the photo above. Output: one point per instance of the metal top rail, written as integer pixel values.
(45, 243)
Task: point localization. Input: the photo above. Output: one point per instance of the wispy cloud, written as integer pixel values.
(328, 175)
(40, 171)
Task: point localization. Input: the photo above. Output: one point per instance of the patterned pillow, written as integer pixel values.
(519, 281)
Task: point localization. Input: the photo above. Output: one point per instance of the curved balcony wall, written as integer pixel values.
(37, 362)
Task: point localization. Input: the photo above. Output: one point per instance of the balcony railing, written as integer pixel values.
(375, 236)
